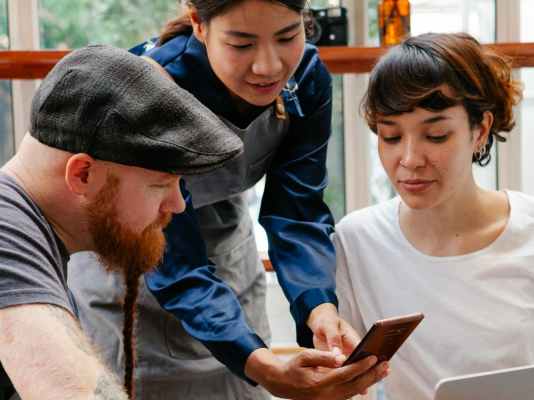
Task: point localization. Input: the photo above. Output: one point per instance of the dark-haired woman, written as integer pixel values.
(460, 254)
(248, 62)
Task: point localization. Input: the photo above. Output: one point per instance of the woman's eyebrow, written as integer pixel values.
(288, 29)
(254, 36)
(386, 122)
(425, 122)
(434, 119)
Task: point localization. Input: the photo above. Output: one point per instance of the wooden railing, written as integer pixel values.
(339, 60)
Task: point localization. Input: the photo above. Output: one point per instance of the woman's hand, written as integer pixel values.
(313, 375)
(331, 333)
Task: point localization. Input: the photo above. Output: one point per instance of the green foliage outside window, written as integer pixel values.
(120, 23)
(6, 117)
(4, 37)
(334, 194)
(324, 3)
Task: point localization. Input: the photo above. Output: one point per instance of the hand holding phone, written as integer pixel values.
(385, 337)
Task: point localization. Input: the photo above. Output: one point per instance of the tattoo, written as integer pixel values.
(108, 390)
(73, 328)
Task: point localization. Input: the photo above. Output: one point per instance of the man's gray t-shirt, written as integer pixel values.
(33, 261)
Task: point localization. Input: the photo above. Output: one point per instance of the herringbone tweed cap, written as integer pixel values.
(116, 107)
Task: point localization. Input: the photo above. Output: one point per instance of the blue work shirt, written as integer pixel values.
(297, 221)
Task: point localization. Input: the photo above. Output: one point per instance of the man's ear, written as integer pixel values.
(483, 131)
(199, 28)
(84, 175)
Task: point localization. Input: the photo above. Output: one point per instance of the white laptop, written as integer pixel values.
(504, 384)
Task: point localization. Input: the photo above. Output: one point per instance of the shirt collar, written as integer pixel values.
(290, 96)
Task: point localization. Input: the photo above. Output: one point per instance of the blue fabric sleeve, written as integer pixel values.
(297, 221)
(185, 285)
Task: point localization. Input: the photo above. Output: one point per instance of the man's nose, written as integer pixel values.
(174, 203)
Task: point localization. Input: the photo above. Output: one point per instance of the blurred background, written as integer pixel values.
(356, 178)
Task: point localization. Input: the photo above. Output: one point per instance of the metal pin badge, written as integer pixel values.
(280, 108)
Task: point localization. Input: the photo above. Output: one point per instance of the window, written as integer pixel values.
(527, 105)
(65, 24)
(7, 142)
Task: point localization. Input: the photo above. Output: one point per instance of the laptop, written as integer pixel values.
(504, 384)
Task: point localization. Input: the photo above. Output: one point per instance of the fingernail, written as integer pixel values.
(385, 366)
(339, 360)
(336, 350)
(372, 360)
(385, 375)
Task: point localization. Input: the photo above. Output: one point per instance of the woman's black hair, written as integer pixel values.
(209, 9)
(436, 71)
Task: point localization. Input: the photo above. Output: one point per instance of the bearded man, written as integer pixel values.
(110, 137)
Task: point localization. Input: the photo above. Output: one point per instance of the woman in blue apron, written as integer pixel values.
(248, 62)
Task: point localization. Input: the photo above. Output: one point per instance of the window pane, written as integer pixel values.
(7, 147)
(476, 17)
(4, 30)
(527, 105)
(334, 194)
(324, 3)
(67, 24)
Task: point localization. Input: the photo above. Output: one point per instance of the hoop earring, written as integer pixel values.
(480, 154)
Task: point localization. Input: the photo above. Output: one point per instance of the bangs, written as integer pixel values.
(406, 78)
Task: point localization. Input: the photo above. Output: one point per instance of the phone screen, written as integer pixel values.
(385, 337)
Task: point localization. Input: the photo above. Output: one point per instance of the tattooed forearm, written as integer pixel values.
(108, 389)
(73, 328)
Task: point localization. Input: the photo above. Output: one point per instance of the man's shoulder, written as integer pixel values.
(31, 265)
(15, 204)
(23, 226)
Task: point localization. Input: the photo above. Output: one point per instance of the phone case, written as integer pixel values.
(385, 337)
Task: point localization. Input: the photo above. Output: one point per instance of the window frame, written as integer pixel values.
(23, 36)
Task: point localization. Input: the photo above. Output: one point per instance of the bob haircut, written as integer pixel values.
(436, 71)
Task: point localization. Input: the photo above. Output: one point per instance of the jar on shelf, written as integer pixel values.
(393, 21)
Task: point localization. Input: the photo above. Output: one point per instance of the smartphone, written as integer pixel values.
(385, 337)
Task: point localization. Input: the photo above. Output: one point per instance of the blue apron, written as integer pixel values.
(170, 363)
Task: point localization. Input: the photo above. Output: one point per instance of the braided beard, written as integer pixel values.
(119, 249)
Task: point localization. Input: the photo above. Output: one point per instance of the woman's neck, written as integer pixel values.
(243, 106)
(465, 222)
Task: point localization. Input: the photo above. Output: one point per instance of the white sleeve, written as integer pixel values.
(348, 305)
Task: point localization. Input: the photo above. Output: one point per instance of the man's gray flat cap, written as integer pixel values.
(116, 107)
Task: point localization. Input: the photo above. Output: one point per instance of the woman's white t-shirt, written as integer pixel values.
(479, 307)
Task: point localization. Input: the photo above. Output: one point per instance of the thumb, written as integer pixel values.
(333, 338)
(316, 358)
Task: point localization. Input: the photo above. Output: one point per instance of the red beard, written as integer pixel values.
(118, 248)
